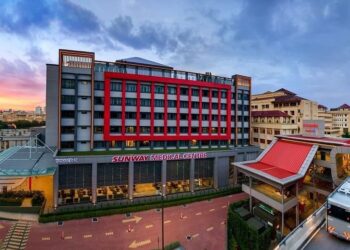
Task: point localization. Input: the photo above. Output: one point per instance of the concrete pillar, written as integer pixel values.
(216, 174)
(192, 166)
(55, 188)
(235, 176)
(131, 180)
(282, 212)
(250, 195)
(94, 182)
(163, 188)
(297, 206)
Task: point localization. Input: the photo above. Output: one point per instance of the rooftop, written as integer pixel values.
(27, 161)
(269, 113)
(344, 106)
(341, 196)
(142, 61)
(327, 140)
(282, 161)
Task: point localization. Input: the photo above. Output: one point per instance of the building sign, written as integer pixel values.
(159, 157)
(313, 128)
(66, 160)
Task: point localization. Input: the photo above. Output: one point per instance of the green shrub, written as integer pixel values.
(37, 199)
(171, 246)
(11, 201)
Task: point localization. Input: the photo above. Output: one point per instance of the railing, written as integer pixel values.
(298, 237)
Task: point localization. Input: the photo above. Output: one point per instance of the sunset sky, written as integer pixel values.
(300, 45)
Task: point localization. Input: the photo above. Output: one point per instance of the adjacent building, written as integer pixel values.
(341, 118)
(331, 128)
(134, 128)
(268, 108)
(18, 137)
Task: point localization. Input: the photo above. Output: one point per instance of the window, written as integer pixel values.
(195, 105)
(171, 130)
(158, 130)
(68, 99)
(223, 130)
(145, 116)
(99, 85)
(195, 130)
(171, 104)
(195, 117)
(115, 129)
(214, 93)
(183, 91)
(223, 118)
(195, 92)
(214, 106)
(223, 94)
(130, 115)
(183, 116)
(68, 84)
(171, 90)
(130, 87)
(223, 106)
(145, 88)
(130, 101)
(67, 114)
(116, 115)
(214, 117)
(205, 117)
(159, 89)
(205, 105)
(205, 92)
(98, 114)
(205, 130)
(116, 86)
(67, 130)
(158, 116)
(130, 130)
(183, 104)
(116, 101)
(98, 129)
(145, 130)
(184, 130)
(99, 100)
(171, 116)
(145, 102)
(158, 103)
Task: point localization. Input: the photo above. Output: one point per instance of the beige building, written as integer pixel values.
(331, 129)
(18, 137)
(16, 115)
(341, 118)
(295, 109)
(267, 124)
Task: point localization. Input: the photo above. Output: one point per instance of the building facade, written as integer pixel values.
(297, 108)
(331, 128)
(143, 128)
(341, 118)
(268, 124)
(17, 137)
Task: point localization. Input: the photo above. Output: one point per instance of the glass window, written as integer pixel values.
(145, 88)
(99, 85)
(204, 173)
(145, 116)
(145, 130)
(171, 90)
(158, 130)
(183, 91)
(184, 104)
(171, 104)
(223, 93)
(130, 101)
(116, 115)
(98, 100)
(158, 103)
(67, 114)
(195, 92)
(130, 115)
(147, 178)
(195, 105)
(171, 116)
(145, 102)
(158, 116)
(115, 129)
(159, 89)
(116, 86)
(130, 87)
(98, 114)
(68, 83)
(116, 101)
(171, 130)
(130, 130)
(68, 99)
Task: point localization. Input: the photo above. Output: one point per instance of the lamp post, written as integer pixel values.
(162, 196)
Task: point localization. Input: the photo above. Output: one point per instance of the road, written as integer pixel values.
(324, 240)
(204, 221)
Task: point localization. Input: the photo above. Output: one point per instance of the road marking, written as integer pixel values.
(212, 210)
(87, 236)
(222, 223)
(167, 221)
(68, 237)
(195, 235)
(45, 238)
(135, 219)
(135, 244)
(200, 213)
(149, 226)
(224, 206)
(184, 217)
(109, 233)
(1, 226)
(230, 196)
(210, 229)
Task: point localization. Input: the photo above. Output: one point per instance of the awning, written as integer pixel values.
(282, 161)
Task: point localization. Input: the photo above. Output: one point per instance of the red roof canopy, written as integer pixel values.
(284, 159)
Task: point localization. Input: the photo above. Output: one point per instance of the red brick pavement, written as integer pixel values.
(203, 220)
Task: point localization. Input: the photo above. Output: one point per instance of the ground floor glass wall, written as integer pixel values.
(74, 184)
(147, 178)
(112, 181)
(178, 176)
(343, 165)
(204, 173)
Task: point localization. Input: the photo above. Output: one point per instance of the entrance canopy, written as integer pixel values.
(282, 161)
(27, 161)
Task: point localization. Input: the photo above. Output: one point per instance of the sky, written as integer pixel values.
(300, 45)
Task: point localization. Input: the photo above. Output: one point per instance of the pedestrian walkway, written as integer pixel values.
(17, 236)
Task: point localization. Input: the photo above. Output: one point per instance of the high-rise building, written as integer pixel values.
(341, 118)
(134, 127)
(38, 110)
(330, 127)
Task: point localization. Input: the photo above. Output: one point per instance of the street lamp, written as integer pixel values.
(162, 193)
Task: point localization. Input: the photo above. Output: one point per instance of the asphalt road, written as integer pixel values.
(204, 221)
(324, 240)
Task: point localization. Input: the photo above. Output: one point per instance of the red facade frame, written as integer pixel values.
(165, 81)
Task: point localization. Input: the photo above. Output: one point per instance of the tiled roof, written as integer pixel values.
(288, 98)
(320, 106)
(282, 162)
(286, 91)
(139, 60)
(344, 106)
(269, 113)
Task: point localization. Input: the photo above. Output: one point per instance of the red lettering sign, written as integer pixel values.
(158, 157)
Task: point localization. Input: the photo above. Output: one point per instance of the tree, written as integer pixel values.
(346, 135)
